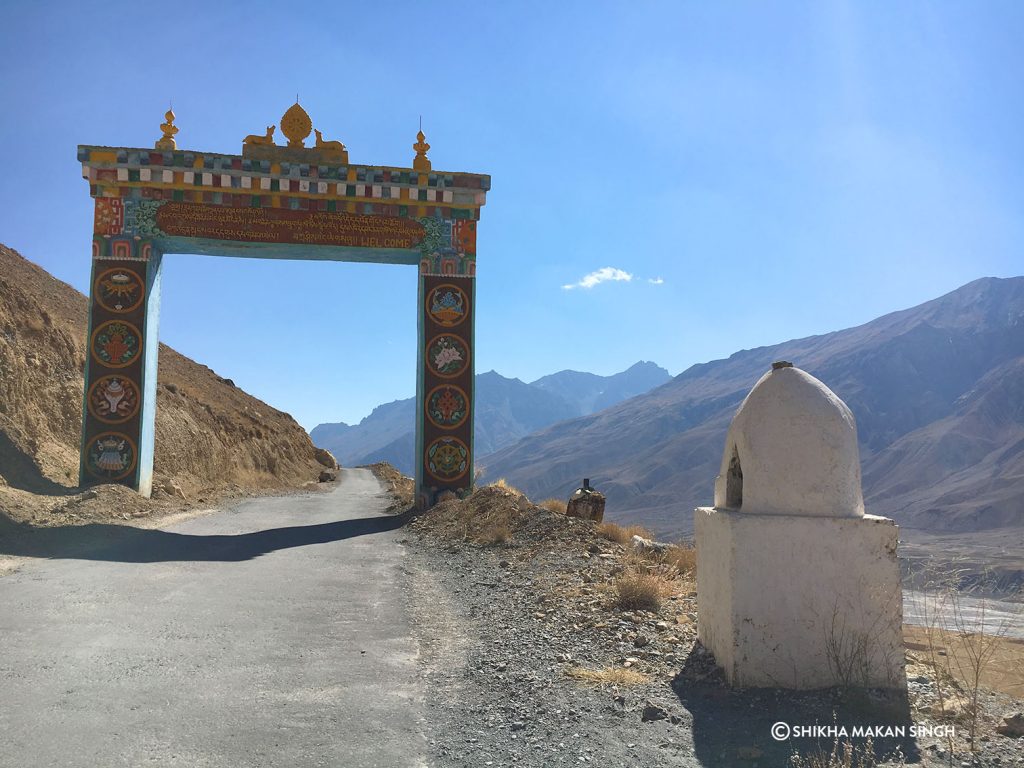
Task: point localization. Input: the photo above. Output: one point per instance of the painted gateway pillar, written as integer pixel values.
(287, 202)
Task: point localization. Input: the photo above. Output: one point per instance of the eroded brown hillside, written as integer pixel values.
(211, 437)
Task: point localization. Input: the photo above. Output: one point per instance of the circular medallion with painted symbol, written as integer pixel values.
(111, 456)
(447, 305)
(118, 290)
(447, 356)
(447, 406)
(447, 459)
(116, 344)
(113, 399)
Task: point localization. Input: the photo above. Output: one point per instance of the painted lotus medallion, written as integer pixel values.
(447, 305)
(447, 406)
(113, 399)
(116, 343)
(447, 459)
(447, 356)
(119, 290)
(111, 456)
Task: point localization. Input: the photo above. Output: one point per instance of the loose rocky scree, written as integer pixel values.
(529, 659)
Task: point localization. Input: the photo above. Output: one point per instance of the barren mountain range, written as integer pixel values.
(937, 390)
(210, 435)
(506, 410)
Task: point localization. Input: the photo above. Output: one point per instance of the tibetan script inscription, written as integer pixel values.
(273, 225)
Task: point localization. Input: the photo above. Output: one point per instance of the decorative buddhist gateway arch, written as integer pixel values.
(282, 202)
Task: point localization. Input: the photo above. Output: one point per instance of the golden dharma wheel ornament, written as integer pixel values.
(296, 125)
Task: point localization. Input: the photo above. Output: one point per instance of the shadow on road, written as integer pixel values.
(123, 544)
(734, 727)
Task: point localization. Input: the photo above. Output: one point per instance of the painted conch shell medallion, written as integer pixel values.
(447, 305)
(447, 406)
(115, 344)
(113, 399)
(111, 456)
(447, 459)
(447, 356)
(119, 290)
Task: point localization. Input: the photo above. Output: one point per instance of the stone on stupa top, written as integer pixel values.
(791, 450)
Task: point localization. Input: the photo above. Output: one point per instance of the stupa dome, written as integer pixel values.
(791, 450)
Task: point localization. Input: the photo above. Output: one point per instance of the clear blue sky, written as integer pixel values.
(784, 169)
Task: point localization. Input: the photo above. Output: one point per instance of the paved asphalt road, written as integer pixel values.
(273, 633)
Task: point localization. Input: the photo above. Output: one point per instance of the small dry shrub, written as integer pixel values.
(844, 754)
(554, 505)
(504, 484)
(964, 637)
(608, 676)
(682, 558)
(622, 534)
(493, 533)
(638, 590)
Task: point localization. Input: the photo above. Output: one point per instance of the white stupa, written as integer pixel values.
(796, 586)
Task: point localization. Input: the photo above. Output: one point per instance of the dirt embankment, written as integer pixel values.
(212, 439)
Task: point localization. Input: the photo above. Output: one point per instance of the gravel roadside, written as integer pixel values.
(508, 629)
(498, 692)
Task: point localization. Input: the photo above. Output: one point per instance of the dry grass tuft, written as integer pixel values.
(639, 590)
(494, 532)
(504, 484)
(672, 561)
(553, 505)
(844, 754)
(622, 534)
(608, 676)
(682, 558)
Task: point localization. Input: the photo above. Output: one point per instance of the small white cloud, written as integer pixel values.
(602, 275)
(655, 280)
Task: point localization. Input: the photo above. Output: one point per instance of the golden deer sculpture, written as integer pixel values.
(252, 138)
(329, 146)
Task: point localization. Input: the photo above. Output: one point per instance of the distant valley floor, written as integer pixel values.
(992, 560)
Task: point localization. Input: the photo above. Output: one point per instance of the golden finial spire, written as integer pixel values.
(421, 162)
(169, 129)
